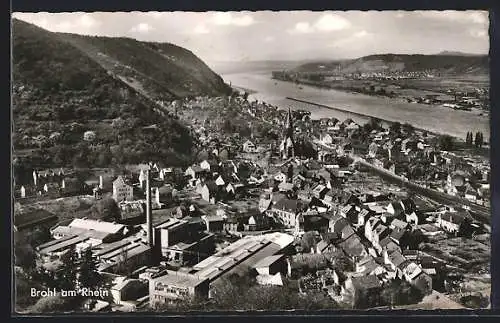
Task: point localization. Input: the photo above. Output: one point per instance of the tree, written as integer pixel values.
(468, 139)
(245, 96)
(395, 128)
(446, 142)
(408, 128)
(54, 304)
(66, 277)
(106, 209)
(88, 274)
(400, 292)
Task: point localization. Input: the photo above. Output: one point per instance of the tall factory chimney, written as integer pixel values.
(149, 216)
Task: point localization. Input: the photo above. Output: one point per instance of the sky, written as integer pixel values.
(285, 35)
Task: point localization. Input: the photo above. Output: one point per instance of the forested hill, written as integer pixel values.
(67, 85)
(443, 63)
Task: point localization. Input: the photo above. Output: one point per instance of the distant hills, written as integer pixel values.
(65, 85)
(449, 63)
(226, 67)
(455, 53)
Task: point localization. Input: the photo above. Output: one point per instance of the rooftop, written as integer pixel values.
(267, 261)
(177, 279)
(96, 225)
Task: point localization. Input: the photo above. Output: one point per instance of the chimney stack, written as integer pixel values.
(149, 217)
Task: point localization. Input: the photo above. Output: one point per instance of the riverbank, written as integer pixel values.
(368, 116)
(434, 118)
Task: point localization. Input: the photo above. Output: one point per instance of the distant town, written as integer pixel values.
(341, 214)
(413, 87)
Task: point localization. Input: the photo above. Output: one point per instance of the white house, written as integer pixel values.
(280, 177)
(142, 178)
(220, 181)
(249, 147)
(327, 139)
(122, 191)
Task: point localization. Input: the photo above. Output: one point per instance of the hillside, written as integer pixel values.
(442, 63)
(66, 85)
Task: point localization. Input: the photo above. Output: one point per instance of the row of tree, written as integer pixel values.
(75, 272)
(477, 141)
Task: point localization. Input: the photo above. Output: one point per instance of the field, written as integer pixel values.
(466, 255)
(65, 207)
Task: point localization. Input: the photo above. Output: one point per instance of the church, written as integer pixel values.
(287, 147)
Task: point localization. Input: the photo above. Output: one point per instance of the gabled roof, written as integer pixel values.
(288, 205)
(366, 282)
(32, 218)
(268, 261)
(353, 246)
(397, 223)
(397, 234)
(453, 217)
(398, 208)
(396, 258)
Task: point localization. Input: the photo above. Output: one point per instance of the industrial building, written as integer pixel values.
(175, 285)
(239, 257)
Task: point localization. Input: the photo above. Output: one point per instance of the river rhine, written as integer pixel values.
(433, 118)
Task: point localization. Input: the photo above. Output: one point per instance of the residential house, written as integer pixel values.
(122, 191)
(286, 211)
(372, 150)
(280, 177)
(370, 226)
(214, 222)
(131, 210)
(249, 147)
(341, 226)
(319, 191)
(452, 222)
(369, 266)
(209, 166)
(256, 222)
(327, 139)
(350, 212)
(395, 209)
(398, 224)
(286, 187)
(194, 172)
(379, 232)
(210, 192)
(353, 247)
(393, 258)
(362, 291)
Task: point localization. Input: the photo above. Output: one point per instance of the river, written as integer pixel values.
(433, 118)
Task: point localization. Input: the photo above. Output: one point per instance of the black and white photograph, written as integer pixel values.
(171, 162)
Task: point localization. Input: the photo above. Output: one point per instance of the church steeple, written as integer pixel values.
(287, 147)
(289, 124)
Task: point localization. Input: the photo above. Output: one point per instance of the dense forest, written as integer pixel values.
(70, 109)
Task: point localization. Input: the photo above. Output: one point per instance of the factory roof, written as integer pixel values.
(61, 245)
(268, 261)
(70, 231)
(171, 223)
(242, 254)
(178, 279)
(96, 225)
